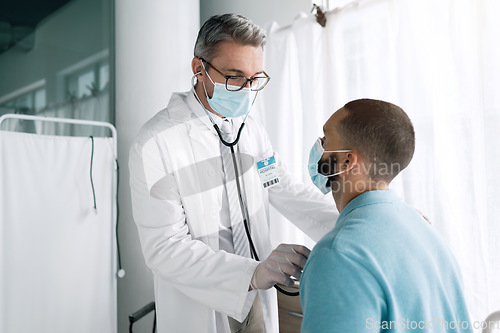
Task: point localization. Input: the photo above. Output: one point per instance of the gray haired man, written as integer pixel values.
(203, 173)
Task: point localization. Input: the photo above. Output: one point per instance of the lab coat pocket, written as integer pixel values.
(203, 213)
(253, 186)
(203, 189)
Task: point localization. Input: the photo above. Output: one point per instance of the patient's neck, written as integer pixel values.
(348, 189)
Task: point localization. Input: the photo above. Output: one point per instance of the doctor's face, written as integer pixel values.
(233, 59)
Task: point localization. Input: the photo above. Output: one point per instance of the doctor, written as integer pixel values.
(190, 199)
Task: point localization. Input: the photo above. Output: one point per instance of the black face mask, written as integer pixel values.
(326, 168)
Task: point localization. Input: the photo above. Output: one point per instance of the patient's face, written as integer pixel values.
(331, 139)
(328, 163)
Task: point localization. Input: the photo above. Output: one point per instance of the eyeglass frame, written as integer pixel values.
(227, 77)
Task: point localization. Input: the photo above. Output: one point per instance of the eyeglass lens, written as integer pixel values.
(237, 82)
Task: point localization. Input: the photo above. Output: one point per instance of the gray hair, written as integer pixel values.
(227, 27)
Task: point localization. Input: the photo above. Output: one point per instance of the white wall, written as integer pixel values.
(261, 12)
(154, 48)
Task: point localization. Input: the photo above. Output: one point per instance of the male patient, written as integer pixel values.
(383, 267)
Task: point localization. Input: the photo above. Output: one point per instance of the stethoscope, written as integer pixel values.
(243, 207)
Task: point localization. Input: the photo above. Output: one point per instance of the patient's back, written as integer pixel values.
(382, 267)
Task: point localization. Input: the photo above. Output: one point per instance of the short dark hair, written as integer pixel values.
(227, 27)
(382, 133)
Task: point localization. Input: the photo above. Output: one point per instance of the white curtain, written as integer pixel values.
(56, 251)
(438, 60)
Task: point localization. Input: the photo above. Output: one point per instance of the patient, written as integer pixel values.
(383, 267)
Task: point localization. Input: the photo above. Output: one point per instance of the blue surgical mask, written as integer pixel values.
(230, 104)
(321, 181)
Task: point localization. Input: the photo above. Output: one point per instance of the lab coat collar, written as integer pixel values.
(198, 111)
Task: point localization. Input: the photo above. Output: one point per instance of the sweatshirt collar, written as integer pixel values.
(370, 198)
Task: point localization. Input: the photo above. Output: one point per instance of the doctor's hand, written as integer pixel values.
(285, 261)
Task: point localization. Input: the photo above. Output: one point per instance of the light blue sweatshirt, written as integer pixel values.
(383, 268)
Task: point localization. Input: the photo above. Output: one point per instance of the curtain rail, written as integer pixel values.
(67, 121)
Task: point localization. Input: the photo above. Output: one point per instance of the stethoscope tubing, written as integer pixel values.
(243, 207)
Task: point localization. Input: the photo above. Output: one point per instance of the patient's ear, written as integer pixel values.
(350, 162)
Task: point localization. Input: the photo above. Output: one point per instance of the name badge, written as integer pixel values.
(268, 172)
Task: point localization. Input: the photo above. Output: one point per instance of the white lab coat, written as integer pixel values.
(176, 186)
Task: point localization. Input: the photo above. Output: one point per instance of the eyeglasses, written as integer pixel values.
(236, 83)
